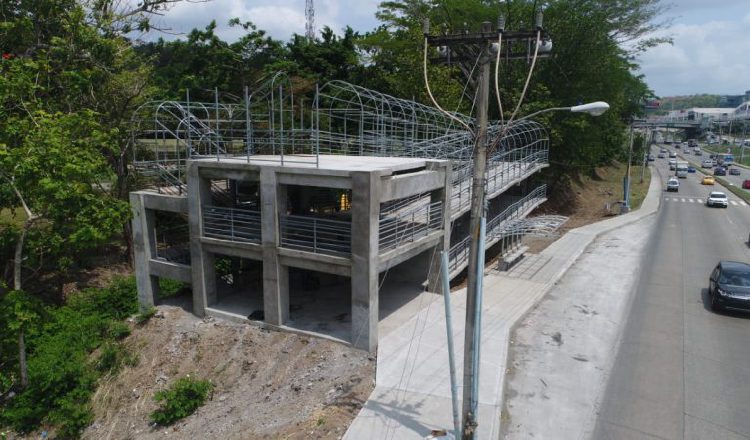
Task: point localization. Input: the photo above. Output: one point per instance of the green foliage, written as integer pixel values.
(118, 330)
(182, 399)
(113, 356)
(169, 288)
(144, 316)
(61, 376)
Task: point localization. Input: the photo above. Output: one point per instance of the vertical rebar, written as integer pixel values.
(248, 134)
(216, 103)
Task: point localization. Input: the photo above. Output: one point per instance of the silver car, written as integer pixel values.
(717, 198)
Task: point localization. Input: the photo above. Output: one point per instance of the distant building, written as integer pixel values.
(734, 100)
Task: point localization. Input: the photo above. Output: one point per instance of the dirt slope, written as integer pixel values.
(268, 384)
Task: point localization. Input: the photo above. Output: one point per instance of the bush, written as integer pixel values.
(169, 288)
(182, 399)
(118, 330)
(62, 378)
(145, 315)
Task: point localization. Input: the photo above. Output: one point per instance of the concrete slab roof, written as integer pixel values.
(334, 164)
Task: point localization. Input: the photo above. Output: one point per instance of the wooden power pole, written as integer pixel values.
(467, 48)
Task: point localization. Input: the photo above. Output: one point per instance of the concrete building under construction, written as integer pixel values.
(318, 217)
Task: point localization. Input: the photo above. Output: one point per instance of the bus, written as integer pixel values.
(724, 159)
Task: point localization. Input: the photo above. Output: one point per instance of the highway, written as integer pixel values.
(683, 371)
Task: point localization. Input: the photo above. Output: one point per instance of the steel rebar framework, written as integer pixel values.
(268, 123)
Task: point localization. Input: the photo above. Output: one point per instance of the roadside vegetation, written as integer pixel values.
(72, 76)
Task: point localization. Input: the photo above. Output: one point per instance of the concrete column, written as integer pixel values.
(275, 275)
(365, 230)
(202, 262)
(443, 195)
(144, 248)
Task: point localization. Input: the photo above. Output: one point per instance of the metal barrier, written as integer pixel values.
(496, 228)
(409, 224)
(231, 224)
(502, 169)
(313, 234)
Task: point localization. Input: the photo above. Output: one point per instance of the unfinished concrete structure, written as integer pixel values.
(352, 187)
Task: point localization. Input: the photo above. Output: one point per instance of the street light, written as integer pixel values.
(596, 108)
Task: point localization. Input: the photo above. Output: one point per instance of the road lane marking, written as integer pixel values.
(691, 200)
(734, 203)
(682, 200)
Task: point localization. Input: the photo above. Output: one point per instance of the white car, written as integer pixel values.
(673, 184)
(708, 163)
(717, 198)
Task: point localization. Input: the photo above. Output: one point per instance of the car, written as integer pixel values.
(672, 164)
(651, 158)
(662, 155)
(673, 184)
(708, 163)
(663, 150)
(708, 180)
(734, 171)
(746, 184)
(717, 198)
(698, 152)
(729, 286)
(672, 155)
(686, 151)
(720, 171)
(691, 169)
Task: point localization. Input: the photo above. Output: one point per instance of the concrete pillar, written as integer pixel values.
(275, 275)
(443, 195)
(365, 230)
(144, 249)
(202, 262)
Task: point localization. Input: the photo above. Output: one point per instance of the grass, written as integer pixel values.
(610, 181)
(735, 150)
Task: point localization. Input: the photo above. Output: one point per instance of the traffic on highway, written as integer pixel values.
(682, 368)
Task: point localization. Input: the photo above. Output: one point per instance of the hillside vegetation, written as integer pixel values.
(72, 77)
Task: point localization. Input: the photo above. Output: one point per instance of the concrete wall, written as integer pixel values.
(369, 188)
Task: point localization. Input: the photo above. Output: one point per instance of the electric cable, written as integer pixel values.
(528, 78)
(432, 98)
(497, 69)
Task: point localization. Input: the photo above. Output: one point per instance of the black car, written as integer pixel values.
(720, 171)
(729, 286)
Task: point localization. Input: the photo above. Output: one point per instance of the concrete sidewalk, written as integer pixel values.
(412, 392)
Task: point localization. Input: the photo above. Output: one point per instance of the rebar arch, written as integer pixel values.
(359, 121)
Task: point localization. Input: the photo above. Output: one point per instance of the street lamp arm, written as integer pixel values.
(593, 108)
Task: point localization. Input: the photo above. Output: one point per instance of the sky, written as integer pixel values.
(710, 54)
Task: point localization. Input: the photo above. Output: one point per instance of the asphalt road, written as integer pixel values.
(696, 162)
(683, 371)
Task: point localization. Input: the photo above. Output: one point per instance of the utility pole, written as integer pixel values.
(646, 151)
(466, 48)
(626, 180)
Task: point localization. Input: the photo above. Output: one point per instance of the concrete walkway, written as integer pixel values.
(412, 392)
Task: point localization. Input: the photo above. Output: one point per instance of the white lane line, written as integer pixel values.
(682, 200)
(733, 202)
(742, 202)
(691, 200)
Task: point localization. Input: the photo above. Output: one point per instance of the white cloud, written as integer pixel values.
(280, 18)
(705, 58)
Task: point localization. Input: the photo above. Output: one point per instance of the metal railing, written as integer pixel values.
(497, 227)
(502, 170)
(409, 225)
(318, 235)
(231, 224)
